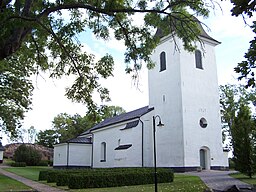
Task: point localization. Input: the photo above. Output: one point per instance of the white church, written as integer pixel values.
(184, 96)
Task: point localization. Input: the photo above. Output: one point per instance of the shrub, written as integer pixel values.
(43, 175)
(18, 164)
(115, 177)
(52, 176)
(27, 154)
(43, 163)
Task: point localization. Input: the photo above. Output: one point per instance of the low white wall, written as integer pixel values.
(60, 155)
(80, 154)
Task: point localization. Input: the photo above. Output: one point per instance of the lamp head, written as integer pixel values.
(160, 124)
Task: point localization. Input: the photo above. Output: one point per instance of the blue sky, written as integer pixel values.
(49, 99)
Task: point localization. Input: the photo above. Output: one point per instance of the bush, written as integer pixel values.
(18, 164)
(111, 177)
(43, 163)
(114, 178)
(231, 163)
(27, 154)
(43, 175)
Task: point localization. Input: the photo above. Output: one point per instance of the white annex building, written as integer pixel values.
(183, 92)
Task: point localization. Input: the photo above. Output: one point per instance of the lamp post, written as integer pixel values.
(160, 124)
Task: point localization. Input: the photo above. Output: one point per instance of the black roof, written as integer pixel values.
(120, 118)
(159, 32)
(80, 140)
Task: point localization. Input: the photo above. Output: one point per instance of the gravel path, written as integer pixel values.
(220, 180)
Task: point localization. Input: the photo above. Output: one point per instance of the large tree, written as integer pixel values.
(243, 142)
(42, 35)
(231, 98)
(246, 68)
(47, 138)
(68, 126)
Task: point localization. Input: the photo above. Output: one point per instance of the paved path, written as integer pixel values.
(220, 180)
(35, 185)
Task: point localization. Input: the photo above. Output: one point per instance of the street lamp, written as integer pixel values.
(160, 124)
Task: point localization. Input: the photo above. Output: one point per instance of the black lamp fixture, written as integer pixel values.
(160, 124)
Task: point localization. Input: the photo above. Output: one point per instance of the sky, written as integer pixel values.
(48, 95)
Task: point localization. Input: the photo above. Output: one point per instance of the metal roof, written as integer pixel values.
(80, 140)
(121, 118)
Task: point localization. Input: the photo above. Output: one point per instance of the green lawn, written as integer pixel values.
(182, 183)
(8, 184)
(244, 178)
(31, 172)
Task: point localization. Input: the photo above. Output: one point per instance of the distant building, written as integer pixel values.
(183, 91)
(1, 152)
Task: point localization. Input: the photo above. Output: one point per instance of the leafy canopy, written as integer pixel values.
(42, 35)
(246, 68)
(67, 126)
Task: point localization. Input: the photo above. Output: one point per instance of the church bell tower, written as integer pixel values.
(183, 89)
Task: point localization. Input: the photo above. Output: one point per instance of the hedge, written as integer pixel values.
(104, 177)
(114, 179)
(18, 164)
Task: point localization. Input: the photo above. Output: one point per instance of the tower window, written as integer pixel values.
(103, 152)
(198, 57)
(203, 122)
(162, 61)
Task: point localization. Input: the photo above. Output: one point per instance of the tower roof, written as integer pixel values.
(159, 32)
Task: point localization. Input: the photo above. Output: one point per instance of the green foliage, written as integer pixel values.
(114, 179)
(243, 7)
(244, 154)
(27, 154)
(246, 68)
(43, 175)
(231, 98)
(43, 35)
(66, 126)
(47, 138)
(43, 163)
(18, 164)
(108, 177)
(231, 163)
(15, 93)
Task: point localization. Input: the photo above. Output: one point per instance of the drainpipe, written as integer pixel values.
(67, 154)
(142, 143)
(92, 151)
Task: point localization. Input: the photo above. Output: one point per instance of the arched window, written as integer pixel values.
(103, 152)
(162, 61)
(198, 57)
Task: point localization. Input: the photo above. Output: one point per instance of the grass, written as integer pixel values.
(8, 184)
(31, 172)
(182, 183)
(244, 178)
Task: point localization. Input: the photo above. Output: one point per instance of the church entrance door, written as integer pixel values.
(203, 158)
